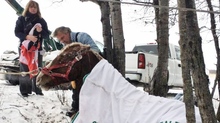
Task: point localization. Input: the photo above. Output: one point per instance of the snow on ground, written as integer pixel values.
(33, 109)
(43, 109)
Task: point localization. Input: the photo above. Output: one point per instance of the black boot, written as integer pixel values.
(24, 95)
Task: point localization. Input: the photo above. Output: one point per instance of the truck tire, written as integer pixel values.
(13, 79)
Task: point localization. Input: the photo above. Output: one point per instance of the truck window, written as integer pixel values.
(177, 49)
(152, 49)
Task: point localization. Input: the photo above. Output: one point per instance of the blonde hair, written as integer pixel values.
(61, 29)
(32, 3)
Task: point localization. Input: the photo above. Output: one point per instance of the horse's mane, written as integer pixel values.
(79, 47)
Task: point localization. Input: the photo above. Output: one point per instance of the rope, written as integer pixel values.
(158, 6)
(21, 73)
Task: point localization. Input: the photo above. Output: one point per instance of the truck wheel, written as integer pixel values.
(13, 79)
(146, 87)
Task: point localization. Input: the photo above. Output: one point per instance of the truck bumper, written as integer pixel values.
(131, 76)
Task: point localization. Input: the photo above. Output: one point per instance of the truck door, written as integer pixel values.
(174, 67)
(178, 81)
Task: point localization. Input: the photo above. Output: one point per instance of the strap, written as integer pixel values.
(74, 117)
(84, 78)
(76, 37)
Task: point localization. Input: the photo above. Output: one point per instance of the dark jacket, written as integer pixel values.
(25, 24)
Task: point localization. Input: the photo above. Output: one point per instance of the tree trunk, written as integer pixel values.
(161, 79)
(106, 30)
(200, 79)
(187, 86)
(118, 36)
(215, 37)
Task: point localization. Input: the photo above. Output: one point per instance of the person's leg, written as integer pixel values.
(24, 81)
(36, 89)
(75, 103)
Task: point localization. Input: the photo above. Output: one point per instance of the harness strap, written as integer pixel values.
(76, 37)
(73, 118)
(84, 78)
(47, 71)
(69, 65)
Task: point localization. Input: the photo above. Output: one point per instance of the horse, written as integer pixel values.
(60, 70)
(72, 64)
(104, 94)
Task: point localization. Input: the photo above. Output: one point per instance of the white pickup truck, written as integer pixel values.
(142, 61)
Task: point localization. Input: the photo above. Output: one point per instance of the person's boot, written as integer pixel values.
(24, 95)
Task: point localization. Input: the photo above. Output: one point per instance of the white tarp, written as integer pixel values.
(106, 97)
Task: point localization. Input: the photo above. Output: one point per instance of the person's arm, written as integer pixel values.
(19, 29)
(45, 32)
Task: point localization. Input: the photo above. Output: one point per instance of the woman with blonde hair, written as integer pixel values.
(31, 29)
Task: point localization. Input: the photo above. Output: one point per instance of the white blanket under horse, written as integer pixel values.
(106, 97)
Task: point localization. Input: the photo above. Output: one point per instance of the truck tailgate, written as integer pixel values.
(131, 70)
(131, 61)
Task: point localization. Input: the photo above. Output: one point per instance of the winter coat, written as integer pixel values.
(25, 23)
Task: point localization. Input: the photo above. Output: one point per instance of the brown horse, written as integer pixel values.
(72, 64)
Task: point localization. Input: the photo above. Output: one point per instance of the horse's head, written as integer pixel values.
(72, 64)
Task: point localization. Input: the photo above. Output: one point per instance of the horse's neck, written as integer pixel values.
(91, 60)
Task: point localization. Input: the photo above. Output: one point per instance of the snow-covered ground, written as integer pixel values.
(41, 109)
(33, 109)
